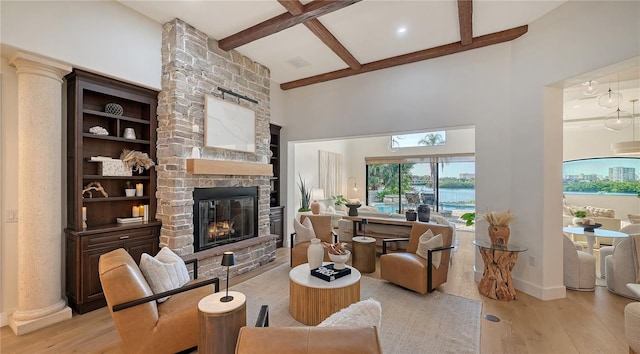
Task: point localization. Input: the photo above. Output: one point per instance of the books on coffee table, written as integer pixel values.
(328, 273)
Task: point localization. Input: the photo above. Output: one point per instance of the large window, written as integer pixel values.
(613, 175)
(445, 183)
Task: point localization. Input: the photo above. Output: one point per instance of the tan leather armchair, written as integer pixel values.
(144, 325)
(411, 271)
(263, 339)
(323, 230)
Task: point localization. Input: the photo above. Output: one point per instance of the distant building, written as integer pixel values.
(467, 176)
(622, 174)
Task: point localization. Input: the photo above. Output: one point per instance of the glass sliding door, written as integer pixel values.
(445, 183)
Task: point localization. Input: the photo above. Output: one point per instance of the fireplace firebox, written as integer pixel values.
(224, 215)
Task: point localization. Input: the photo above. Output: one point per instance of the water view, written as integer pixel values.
(450, 199)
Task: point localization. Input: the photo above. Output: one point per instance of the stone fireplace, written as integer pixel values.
(193, 66)
(224, 215)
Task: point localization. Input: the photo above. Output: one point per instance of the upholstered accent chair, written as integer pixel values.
(410, 270)
(323, 230)
(632, 326)
(621, 268)
(608, 250)
(144, 325)
(579, 267)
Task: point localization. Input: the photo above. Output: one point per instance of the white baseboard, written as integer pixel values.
(4, 318)
(534, 290)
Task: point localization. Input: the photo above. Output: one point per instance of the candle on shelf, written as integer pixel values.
(139, 189)
(141, 210)
(84, 217)
(135, 211)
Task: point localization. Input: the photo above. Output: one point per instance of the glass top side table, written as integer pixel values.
(496, 282)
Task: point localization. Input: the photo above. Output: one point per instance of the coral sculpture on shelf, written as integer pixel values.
(137, 160)
(499, 221)
(336, 248)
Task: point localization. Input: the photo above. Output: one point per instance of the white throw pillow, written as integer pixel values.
(166, 271)
(428, 241)
(304, 231)
(363, 313)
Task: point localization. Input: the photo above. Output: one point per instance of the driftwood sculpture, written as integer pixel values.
(94, 186)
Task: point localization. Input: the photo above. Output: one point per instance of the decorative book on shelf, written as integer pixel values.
(328, 273)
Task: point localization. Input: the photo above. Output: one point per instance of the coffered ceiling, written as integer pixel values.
(305, 42)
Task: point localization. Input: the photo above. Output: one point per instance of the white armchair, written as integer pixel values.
(579, 267)
(620, 268)
(632, 326)
(608, 250)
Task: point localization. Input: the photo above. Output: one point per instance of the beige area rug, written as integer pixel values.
(411, 323)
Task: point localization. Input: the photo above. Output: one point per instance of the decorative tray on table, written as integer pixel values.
(328, 273)
(588, 227)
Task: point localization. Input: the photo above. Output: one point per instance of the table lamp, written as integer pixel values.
(364, 223)
(228, 259)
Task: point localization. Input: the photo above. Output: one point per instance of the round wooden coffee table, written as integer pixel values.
(311, 299)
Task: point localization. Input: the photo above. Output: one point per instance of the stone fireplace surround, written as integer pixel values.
(193, 66)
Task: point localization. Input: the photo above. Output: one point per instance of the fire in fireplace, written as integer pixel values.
(224, 215)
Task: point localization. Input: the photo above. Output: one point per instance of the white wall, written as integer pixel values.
(101, 36)
(504, 91)
(9, 183)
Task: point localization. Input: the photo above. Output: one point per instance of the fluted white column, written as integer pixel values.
(40, 236)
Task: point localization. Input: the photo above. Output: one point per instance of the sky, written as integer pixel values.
(599, 166)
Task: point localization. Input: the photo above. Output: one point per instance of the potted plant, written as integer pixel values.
(580, 218)
(470, 218)
(305, 196)
(499, 226)
(339, 200)
(129, 190)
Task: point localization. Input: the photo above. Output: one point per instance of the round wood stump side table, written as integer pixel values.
(364, 254)
(496, 282)
(220, 322)
(312, 300)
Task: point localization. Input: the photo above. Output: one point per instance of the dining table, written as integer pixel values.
(591, 235)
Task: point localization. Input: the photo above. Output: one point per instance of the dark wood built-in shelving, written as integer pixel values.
(87, 95)
(276, 214)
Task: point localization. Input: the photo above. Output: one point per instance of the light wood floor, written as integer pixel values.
(584, 322)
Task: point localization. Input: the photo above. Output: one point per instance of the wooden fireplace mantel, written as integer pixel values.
(225, 167)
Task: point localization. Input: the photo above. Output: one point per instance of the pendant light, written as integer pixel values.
(628, 147)
(617, 120)
(590, 87)
(610, 99)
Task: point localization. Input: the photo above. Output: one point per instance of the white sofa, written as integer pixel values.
(606, 217)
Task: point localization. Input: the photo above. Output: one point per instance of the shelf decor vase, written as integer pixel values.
(315, 254)
(411, 215)
(499, 235)
(424, 212)
(315, 207)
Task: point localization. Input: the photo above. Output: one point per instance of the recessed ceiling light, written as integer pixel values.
(298, 62)
(577, 106)
(401, 30)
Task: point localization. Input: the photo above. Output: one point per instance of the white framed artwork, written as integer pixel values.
(228, 125)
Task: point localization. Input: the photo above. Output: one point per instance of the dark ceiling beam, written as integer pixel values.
(295, 7)
(465, 14)
(281, 22)
(447, 49)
